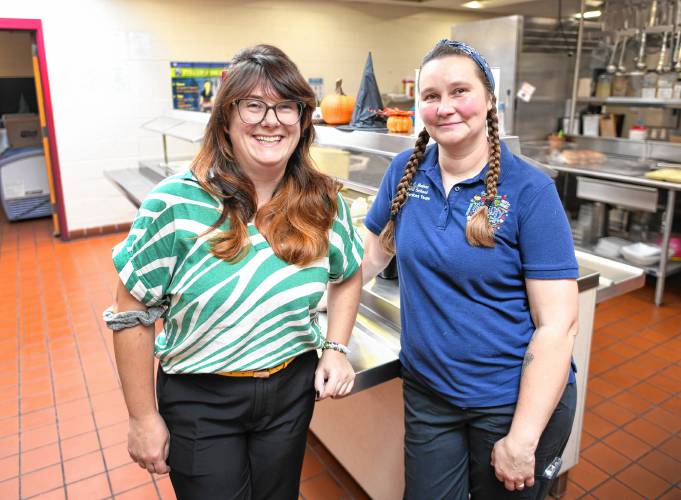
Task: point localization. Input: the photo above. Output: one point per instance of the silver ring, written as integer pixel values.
(520, 486)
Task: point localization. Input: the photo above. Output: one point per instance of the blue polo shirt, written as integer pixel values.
(465, 315)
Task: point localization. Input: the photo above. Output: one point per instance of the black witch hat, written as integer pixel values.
(368, 100)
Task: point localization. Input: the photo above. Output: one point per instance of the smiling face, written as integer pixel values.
(453, 101)
(263, 148)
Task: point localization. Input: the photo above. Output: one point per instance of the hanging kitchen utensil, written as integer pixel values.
(620, 65)
(663, 53)
(641, 58)
(611, 68)
(676, 55)
(652, 19)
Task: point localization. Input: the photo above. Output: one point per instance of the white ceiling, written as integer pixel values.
(540, 8)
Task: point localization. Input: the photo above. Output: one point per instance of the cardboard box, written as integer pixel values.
(23, 130)
(608, 127)
(659, 117)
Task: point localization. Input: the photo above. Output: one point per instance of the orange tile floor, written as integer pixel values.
(63, 422)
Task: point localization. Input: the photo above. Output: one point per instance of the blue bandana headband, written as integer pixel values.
(473, 54)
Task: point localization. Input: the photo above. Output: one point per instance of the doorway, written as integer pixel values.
(25, 91)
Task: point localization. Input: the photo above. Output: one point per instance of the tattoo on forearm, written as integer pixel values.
(528, 359)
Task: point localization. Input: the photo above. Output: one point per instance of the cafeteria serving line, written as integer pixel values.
(587, 92)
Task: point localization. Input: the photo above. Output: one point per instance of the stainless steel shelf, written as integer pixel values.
(673, 267)
(632, 101)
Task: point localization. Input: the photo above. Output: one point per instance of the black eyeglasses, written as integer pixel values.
(253, 111)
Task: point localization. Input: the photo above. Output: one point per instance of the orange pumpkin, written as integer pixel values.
(337, 108)
(399, 123)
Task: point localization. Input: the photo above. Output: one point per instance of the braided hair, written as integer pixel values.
(479, 231)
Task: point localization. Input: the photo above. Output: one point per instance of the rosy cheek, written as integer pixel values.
(469, 105)
(428, 113)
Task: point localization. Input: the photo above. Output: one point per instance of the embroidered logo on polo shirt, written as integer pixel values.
(497, 210)
(420, 191)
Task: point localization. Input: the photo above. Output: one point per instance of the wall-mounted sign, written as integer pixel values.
(195, 84)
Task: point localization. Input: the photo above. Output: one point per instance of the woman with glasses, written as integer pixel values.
(234, 255)
(488, 295)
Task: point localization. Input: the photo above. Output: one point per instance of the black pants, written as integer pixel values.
(238, 438)
(448, 449)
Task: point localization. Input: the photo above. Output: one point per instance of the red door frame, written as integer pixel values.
(36, 26)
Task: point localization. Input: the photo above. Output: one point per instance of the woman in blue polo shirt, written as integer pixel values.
(488, 295)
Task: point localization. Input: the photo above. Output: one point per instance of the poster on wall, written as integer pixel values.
(195, 84)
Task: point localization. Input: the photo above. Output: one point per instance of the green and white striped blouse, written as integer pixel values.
(221, 316)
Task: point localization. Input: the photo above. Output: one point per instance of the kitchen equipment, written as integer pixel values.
(610, 246)
(642, 254)
(24, 189)
(676, 55)
(619, 85)
(604, 85)
(611, 68)
(635, 84)
(663, 53)
(641, 58)
(620, 65)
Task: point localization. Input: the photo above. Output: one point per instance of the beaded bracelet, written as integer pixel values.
(335, 346)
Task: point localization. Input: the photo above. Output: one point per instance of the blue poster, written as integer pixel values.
(195, 84)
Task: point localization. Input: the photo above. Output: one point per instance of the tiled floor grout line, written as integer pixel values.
(69, 315)
(97, 315)
(87, 388)
(54, 394)
(114, 367)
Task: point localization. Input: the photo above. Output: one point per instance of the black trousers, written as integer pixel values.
(238, 438)
(448, 449)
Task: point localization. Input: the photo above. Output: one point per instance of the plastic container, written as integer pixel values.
(674, 246)
(611, 246)
(649, 90)
(638, 132)
(642, 254)
(603, 85)
(590, 125)
(620, 83)
(635, 84)
(665, 85)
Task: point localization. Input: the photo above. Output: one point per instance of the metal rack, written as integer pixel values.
(632, 101)
(183, 129)
(646, 149)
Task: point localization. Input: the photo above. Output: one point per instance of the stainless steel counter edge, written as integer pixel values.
(630, 179)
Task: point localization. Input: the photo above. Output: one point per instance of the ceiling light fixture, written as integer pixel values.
(473, 5)
(589, 14)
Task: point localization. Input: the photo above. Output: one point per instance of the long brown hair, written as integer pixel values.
(479, 231)
(295, 222)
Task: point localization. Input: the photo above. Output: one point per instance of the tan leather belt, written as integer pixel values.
(258, 373)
